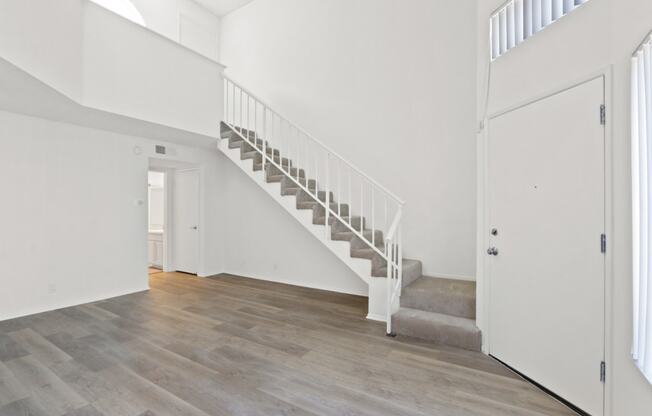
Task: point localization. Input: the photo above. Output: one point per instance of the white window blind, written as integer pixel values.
(641, 112)
(519, 19)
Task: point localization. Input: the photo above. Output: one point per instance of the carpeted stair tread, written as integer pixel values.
(438, 328)
(411, 271)
(350, 235)
(447, 296)
(364, 253)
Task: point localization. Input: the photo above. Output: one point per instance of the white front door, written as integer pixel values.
(546, 197)
(185, 243)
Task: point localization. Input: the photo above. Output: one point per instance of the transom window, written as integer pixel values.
(518, 20)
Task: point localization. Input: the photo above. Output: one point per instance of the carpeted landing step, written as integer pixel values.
(438, 328)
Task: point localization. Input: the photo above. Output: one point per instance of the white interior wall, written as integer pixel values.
(74, 226)
(57, 59)
(103, 61)
(163, 17)
(389, 86)
(128, 70)
(263, 241)
(602, 34)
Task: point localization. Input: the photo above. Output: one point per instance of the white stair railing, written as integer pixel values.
(346, 194)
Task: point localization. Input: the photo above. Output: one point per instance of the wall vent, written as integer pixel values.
(160, 149)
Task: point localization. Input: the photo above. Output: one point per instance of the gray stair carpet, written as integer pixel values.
(438, 310)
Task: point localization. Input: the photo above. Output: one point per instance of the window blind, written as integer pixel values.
(641, 144)
(520, 19)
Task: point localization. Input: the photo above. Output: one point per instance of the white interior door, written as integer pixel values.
(185, 243)
(546, 196)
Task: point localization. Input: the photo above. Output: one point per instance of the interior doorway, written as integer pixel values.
(546, 254)
(156, 211)
(173, 234)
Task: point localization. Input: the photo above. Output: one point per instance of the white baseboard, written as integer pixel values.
(294, 283)
(69, 304)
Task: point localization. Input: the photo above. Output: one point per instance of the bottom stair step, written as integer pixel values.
(438, 328)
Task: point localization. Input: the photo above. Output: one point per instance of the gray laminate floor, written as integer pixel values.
(234, 346)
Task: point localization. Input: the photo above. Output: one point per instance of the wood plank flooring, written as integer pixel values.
(235, 346)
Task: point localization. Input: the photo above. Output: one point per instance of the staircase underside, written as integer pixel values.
(438, 310)
(22, 93)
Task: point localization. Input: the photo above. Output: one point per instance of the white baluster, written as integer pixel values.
(388, 312)
(339, 188)
(385, 230)
(361, 206)
(264, 138)
(350, 200)
(399, 251)
(327, 189)
(373, 220)
(248, 119)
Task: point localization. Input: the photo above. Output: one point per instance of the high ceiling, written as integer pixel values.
(222, 7)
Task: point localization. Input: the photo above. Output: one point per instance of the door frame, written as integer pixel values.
(483, 279)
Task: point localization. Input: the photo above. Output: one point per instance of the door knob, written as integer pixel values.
(492, 251)
(193, 228)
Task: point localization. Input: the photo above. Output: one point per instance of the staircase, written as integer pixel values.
(352, 215)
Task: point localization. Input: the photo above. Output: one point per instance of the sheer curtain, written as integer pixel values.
(517, 20)
(642, 206)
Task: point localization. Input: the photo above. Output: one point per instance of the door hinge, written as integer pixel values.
(603, 243)
(603, 114)
(603, 372)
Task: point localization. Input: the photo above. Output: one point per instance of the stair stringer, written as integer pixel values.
(342, 249)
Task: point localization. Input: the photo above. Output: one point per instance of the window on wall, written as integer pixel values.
(124, 8)
(641, 112)
(518, 20)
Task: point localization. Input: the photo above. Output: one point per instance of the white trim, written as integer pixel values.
(80, 301)
(285, 282)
